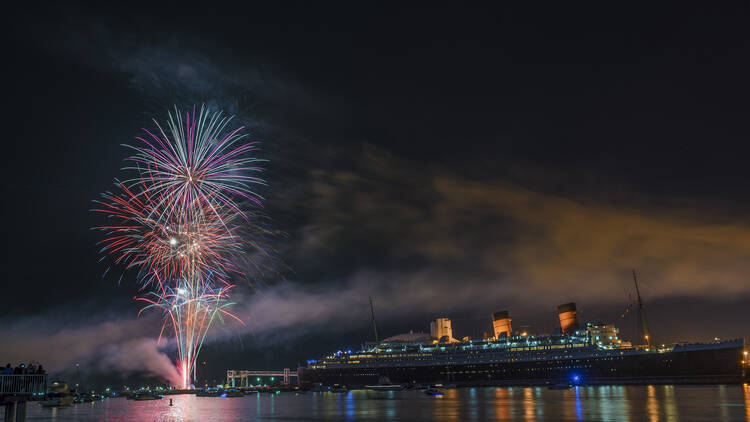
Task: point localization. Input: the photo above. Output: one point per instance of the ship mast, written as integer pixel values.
(641, 312)
(374, 325)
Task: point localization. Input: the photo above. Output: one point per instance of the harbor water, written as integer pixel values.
(712, 403)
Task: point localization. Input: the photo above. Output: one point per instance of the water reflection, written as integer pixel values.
(592, 402)
(473, 407)
(670, 407)
(618, 403)
(723, 403)
(446, 406)
(652, 404)
(539, 401)
(608, 402)
(390, 411)
(501, 404)
(512, 392)
(528, 405)
(624, 407)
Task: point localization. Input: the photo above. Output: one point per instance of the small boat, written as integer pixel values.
(432, 391)
(209, 392)
(59, 401)
(320, 388)
(385, 384)
(559, 386)
(445, 386)
(147, 395)
(385, 387)
(233, 393)
(248, 392)
(88, 398)
(58, 395)
(339, 389)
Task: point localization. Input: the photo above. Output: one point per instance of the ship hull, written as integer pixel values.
(681, 366)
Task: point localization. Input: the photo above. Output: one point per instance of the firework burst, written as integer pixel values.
(202, 165)
(177, 222)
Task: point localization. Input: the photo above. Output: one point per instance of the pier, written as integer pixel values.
(16, 390)
(244, 378)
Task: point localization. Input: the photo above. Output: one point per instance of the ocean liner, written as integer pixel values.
(579, 353)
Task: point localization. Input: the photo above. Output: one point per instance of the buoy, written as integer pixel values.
(170, 402)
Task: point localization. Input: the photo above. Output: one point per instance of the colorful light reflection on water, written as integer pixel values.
(605, 403)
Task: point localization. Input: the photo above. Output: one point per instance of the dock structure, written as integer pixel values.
(16, 390)
(237, 378)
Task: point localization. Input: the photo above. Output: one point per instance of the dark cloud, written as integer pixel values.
(518, 239)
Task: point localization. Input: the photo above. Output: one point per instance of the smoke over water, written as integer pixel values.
(121, 345)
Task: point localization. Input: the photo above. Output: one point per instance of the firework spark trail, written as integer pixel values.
(178, 220)
(194, 171)
(169, 247)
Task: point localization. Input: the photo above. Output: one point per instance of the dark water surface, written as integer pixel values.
(604, 403)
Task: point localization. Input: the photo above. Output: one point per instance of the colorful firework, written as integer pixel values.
(178, 221)
(170, 247)
(204, 165)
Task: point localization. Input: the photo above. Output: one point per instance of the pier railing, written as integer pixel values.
(245, 378)
(23, 384)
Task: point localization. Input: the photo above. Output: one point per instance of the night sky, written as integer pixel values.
(447, 161)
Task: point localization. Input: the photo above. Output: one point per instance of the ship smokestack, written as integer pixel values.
(501, 324)
(568, 318)
(442, 330)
